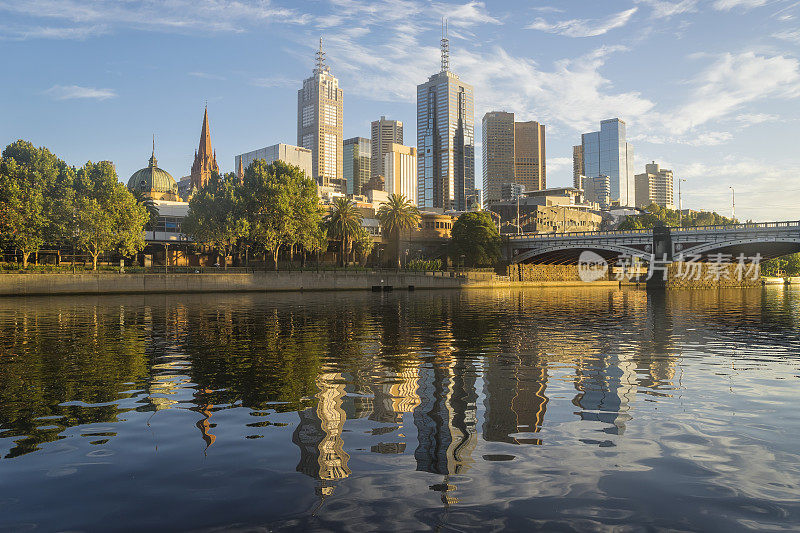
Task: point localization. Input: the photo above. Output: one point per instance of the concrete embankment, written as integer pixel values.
(109, 283)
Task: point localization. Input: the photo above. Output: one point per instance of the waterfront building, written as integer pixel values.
(319, 124)
(357, 154)
(597, 190)
(655, 186)
(606, 152)
(551, 210)
(292, 155)
(153, 182)
(400, 171)
(385, 132)
(445, 139)
(578, 169)
(205, 159)
(513, 152)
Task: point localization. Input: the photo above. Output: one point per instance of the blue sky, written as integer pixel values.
(708, 88)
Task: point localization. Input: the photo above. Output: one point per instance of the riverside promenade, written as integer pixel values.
(139, 283)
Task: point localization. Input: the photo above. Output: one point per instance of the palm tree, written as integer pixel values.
(343, 223)
(152, 210)
(396, 215)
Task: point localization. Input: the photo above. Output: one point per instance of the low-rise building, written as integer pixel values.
(293, 155)
(551, 210)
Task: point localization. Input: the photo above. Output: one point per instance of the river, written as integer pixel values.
(557, 409)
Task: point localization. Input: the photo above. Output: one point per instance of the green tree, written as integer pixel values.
(397, 215)
(475, 237)
(316, 241)
(655, 215)
(343, 222)
(152, 209)
(22, 203)
(215, 215)
(108, 217)
(362, 245)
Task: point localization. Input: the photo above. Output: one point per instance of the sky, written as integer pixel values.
(708, 88)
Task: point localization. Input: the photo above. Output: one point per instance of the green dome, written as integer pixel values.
(152, 179)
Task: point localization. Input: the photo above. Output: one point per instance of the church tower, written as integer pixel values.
(205, 159)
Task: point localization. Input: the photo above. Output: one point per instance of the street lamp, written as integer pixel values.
(680, 203)
(733, 203)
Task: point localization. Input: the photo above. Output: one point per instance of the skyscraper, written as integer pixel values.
(445, 139)
(384, 133)
(606, 152)
(513, 153)
(205, 159)
(319, 123)
(577, 166)
(655, 186)
(400, 170)
(357, 163)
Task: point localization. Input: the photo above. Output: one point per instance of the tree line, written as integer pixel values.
(655, 215)
(43, 200)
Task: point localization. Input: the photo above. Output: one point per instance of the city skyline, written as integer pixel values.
(722, 115)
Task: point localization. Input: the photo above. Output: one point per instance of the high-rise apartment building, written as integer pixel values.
(606, 152)
(400, 171)
(319, 124)
(293, 155)
(384, 133)
(357, 155)
(513, 152)
(578, 170)
(655, 187)
(445, 140)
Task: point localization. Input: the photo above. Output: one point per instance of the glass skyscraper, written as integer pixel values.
(606, 153)
(445, 140)
(357, 154)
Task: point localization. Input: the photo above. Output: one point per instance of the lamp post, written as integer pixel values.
(680, 203)
(733, 203)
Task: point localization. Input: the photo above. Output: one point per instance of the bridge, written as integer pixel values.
(769, 239)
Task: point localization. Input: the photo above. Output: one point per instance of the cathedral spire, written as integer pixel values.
(205, 160)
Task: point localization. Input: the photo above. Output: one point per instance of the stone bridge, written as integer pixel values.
(769, 239)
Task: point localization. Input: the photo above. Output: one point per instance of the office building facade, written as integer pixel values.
(578, 170)
(293, 155)
(319, 124)
(606, 153)
(384, 133)
(445, 140)
(513, 152)
(400, 171)
(655, 186)
(357, 155)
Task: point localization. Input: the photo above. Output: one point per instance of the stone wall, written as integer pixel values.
(682, 275)
(525, 272)
(110, 283)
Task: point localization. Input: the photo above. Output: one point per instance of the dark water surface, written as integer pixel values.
(511, 409)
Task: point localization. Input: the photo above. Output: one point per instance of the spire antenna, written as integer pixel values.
(320, 59)
(445, 44)
(154, 144)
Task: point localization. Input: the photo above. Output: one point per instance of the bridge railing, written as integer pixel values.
(673, 229)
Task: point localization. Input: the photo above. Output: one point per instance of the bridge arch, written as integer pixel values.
(568, 253)
(767, 247)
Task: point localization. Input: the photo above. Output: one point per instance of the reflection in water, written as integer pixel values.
(477, 398)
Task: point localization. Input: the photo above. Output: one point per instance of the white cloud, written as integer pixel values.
(150, 15)
(708, 138)
(733, 81)
(584, 27)
(464, 14)
(725, 5)
(557, 164)
(78, 33)
(748, 119)
(206, 75)
(666, 8)
(72, 92)
(791, 36)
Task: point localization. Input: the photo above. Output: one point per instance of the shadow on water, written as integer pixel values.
(423, 410)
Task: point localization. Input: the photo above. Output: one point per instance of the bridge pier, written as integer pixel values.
(662, 249)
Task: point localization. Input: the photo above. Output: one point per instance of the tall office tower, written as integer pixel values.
(357, 163)
(384, 133)
(319, 123)
(605, 152)
(445, 140)
(205, 159)
(513, 153)
(655, 187)
(578, 170)
(400, 171)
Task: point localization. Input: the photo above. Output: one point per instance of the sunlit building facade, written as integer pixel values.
(606, 152)
(357, 154)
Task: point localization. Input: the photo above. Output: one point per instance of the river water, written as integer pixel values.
(558, 409)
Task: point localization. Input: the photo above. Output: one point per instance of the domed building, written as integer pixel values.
(154, 182)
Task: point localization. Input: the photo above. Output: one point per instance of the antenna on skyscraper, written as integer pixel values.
(445, 47)
(320, 58)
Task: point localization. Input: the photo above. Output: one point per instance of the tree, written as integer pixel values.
(108, 217)
(362, 245)
(152, 210)
(343, 222)
(655, 215)
(215, 215)
(316, 241)
(397, 215)
(475, 237)
(22, 203)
